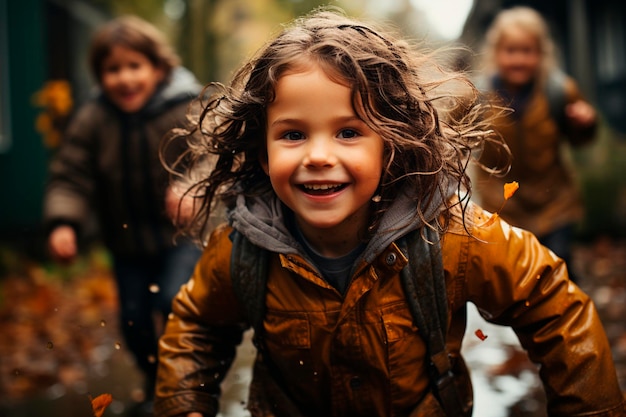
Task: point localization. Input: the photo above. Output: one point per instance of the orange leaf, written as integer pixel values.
(479, 333)
(509, 189)
(100, 403)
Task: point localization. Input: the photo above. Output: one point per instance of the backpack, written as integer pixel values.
(557, 99)
(423, 283)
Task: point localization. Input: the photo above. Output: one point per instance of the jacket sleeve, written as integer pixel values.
(71, 176)
(515, 281)
(201, 335)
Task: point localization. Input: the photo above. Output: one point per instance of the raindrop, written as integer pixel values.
(124, 226)
(538, 277)
(527, 303)
(49, 345)
(217, 375)
(130, 323)
(154, 288)
(202, 384)
(118, 345)
(301, 363)
(103, 323)
(151, 359)
(170, 316)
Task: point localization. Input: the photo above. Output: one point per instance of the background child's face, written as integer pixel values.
(129, 78)
(518, 56)
(324, 162)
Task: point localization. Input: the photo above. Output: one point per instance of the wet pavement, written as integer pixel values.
(60, 343)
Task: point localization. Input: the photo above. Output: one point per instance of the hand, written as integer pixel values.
(180, 208)
(62, 244)
(580, 114)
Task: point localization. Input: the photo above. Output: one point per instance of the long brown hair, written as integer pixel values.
(429, 119)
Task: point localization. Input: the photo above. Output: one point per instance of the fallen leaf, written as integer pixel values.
(509, 189)
(479, 334)
(100, 403)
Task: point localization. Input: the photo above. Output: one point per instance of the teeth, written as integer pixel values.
(321, 186)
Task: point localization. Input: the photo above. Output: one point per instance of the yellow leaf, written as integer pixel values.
(100, 403)
(509, 189)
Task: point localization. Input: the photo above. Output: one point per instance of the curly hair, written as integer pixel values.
(430, 120)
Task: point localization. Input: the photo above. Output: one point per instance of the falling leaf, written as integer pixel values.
(100, 403)
(509, 189)
(479, 334)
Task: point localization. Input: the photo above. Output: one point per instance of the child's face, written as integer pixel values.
(129, 78)
(323, 161)
(518, 56)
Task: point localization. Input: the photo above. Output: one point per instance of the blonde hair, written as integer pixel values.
(429, 125)
(530, 21)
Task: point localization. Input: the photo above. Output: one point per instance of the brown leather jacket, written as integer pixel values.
(361, 355)
(548, 197)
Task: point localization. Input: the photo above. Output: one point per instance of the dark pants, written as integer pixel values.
(146, 287)
(560, 242)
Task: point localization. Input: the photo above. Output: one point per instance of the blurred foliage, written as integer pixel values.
(600, 168)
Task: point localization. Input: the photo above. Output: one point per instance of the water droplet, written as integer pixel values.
(118, 345)
(49, 345)
(151, 359)
(527, 303)
(154, 288)
(125, 226)
(217, 375)
(170, 316)
(301, 362)
(130, 323)
(103, 323)
(202, 384)
(538, 276)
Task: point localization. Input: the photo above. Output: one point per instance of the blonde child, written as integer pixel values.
(109, 165)
(342, 165)
(548, 109)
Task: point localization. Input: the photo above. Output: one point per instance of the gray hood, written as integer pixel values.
(262, 220)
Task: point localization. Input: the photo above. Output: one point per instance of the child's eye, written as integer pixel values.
(293, 136)
(348, 134)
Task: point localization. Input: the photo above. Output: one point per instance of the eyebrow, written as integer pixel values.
(290, 120)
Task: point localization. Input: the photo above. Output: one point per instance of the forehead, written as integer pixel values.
(518, 35)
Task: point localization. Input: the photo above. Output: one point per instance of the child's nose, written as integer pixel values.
(320, 153)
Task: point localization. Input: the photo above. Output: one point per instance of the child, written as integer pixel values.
(344, 182)
(109, 162)
(547, 108)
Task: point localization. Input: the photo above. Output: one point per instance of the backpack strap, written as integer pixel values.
(425, 289)
(557, 100)
(248, 271)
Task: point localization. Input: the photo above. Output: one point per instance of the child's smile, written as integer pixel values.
(324, 162)
(129, 79)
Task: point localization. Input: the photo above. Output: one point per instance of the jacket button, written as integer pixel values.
(355, 382)
(391, 258)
